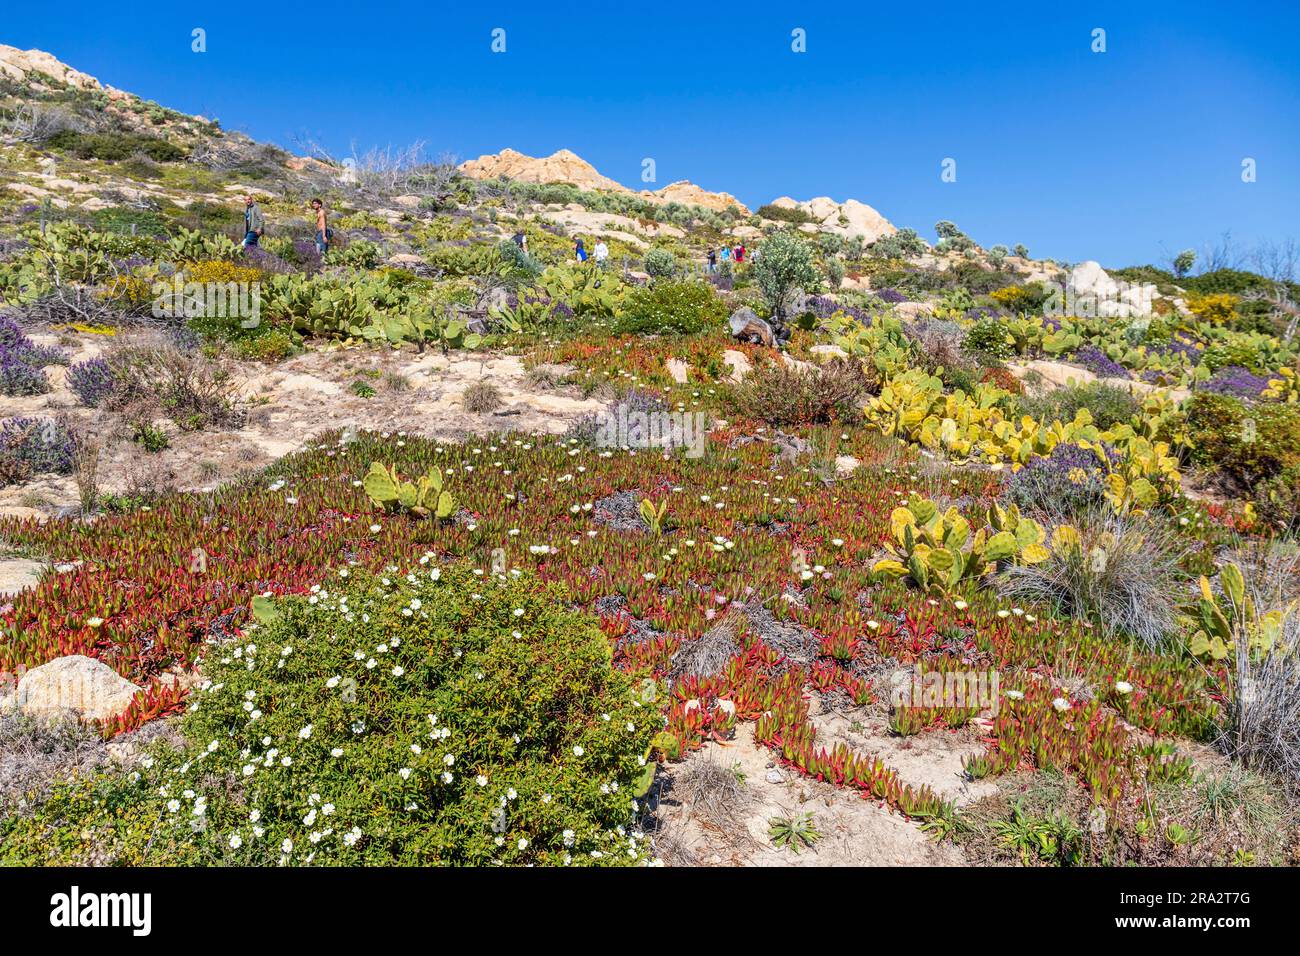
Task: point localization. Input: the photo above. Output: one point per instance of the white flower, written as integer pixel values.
(481, 780)
(305, 732)
(578, 751)
(1061, 704)
(1123, 687)
(1016, 694)
(236, 841)
(405, 773)
(523, 843)
(286, 846)
(398, 671)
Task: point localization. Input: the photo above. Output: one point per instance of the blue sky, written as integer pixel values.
(1117, 156)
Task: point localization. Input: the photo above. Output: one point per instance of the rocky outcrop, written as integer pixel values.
(565, 166)
(689, 194)
(25, 66)
(561, 166)
(849, 218)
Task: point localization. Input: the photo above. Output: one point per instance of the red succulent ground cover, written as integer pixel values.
(154, 586)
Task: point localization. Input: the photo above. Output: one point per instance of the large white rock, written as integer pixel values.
(87, 687)
(1096, 293)
(849, 218)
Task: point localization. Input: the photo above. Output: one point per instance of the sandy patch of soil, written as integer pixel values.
(285, 406)
(855, 831)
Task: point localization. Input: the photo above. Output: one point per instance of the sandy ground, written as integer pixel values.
(285, 406)
(855, 831)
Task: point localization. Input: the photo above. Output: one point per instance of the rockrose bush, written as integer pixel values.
(429, 717)
(672, 307)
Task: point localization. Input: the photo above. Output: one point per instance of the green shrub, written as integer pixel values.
(1277, 500)
(795, 216)
(1247, 445)
(673, 307)
(1223, 354)
(432, 718)
(115, 147)
(660, 264)
(786, 264)
(1109, 405)
(989, 337)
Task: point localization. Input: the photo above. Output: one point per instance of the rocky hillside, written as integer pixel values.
(565, 166)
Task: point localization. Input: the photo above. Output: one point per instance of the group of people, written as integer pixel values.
(726, 254)
(255, 225)
(600, 251)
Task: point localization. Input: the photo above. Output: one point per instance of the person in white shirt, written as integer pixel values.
(602, 252)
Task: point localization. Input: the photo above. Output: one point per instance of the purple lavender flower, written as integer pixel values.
(92, 381)
(892, 296)
(1235, 381)
(19, 378)
(1099, 363)
(42, 444)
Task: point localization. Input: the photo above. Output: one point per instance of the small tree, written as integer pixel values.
(997, 254)
(1022, 250)
(945, 229)
(660, 264)
(1183, 262)
(787, 263)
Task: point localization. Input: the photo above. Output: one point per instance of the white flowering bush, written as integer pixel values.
(435, 717)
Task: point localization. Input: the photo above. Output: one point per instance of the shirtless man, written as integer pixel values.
(323, 232)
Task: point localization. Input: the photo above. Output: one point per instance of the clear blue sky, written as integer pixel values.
(1115, 156)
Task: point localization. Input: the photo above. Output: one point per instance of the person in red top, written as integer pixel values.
(740, 252)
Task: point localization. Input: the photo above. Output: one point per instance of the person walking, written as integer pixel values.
(602, 253)
(254, 222)
(712, 256)
(324, 234)
(580, 251)
(740, 253)
(726, 254)
(521, 241)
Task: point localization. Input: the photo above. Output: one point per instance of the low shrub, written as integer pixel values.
(1277, 500)
(1099, 363)
(32, 446)
(1068, 482)
(115, 147)
(660, 264)
(184, 386)
(481, 397)
(1109, 405)
(420, 719)
(989, 337)
(1121, 573)
(671, 307)
(781, 394)
(1248, 445)
(91, 381)
(1235, 381)
(19, 378)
